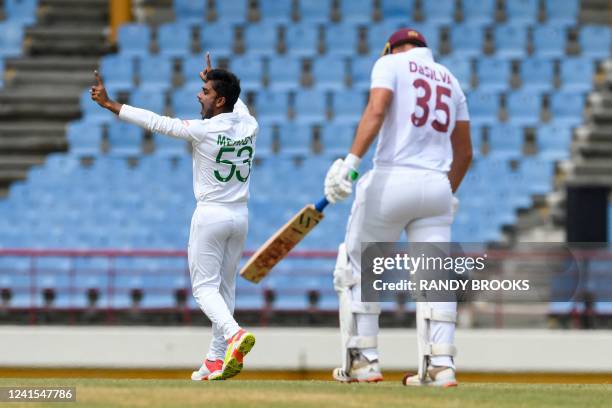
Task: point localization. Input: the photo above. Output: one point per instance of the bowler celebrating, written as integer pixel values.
(223, 146)
(419, 111)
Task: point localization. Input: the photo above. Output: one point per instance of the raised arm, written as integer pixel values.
(140, 117)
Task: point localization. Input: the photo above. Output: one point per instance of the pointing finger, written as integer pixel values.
(98, 78)
(208, 63)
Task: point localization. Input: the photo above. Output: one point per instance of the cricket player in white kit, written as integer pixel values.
(419, 112)
(223, 146)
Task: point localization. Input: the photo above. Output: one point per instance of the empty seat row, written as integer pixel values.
(509, 40)
(365, 11)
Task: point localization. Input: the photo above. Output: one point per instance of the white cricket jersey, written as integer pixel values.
(223, 149)
(427, 102)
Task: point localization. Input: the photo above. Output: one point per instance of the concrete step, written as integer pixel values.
(20, 162)
(47, 96)
(56, 111)
(68, 47)
(32, 143)
(52, 63)
(23, 129)
(8, 176)
(66, 41)
(594, 149)
(76, 80)
(601, 133)
(73, 3)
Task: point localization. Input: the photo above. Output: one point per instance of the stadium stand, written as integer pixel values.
(305, 71)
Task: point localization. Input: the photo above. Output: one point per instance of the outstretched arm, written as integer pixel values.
(140, 117)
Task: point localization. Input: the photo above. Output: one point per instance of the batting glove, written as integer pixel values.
(340, 177)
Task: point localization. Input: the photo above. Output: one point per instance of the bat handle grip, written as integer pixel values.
(320, 206)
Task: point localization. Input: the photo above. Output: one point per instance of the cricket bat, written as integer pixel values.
(283, 241)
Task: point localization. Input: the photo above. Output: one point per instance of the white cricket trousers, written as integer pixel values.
(216, 240)
(390, 200)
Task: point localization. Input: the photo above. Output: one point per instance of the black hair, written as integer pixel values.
(225, 84)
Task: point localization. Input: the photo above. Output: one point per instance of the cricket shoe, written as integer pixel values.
(208, 368)
(436, 377)
(362, 370)
(237, 347)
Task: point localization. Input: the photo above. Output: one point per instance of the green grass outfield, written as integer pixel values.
(105, 393)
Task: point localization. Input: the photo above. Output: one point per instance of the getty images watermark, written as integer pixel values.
(441, 272)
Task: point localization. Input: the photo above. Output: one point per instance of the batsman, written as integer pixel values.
(419, 112)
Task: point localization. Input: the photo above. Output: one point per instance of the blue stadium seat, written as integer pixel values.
(117, 72)
(493, 74)
(191, 67)
(315, 11)
(576, 74)
(361, 68)
(461, 68)
(302, 39)
(265, 142)
(249, 69)
(553, 142)
(562, 11)
(595, 41)
(218, 39)
(549, 41)
(149, 99)
(467, 40)
(522, 11)
(260, 39)
(133, 39)
(378, 34)
(567, 107)
(539, 172)
(284, 73)
(21, 11)
(510, 40)
(166, 146)
(399, 10)
(476, 134)
(337, 138)
(431, 32)
(189, 11)
(11, 37)
(124, 139)
(155, 72)
(231, 11)
(84, 138)
(537, 74)
(94, 113)
(484, 107)
(295, 139)
(310, 106)
(271, 106)
(506, 141)
(341, 39)
(329, 72)
(185, 104)
(274, 11)
(438, 12)
(348, 105)
(478, 12)
(174, 39)
(357, 11)
(523, 107)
